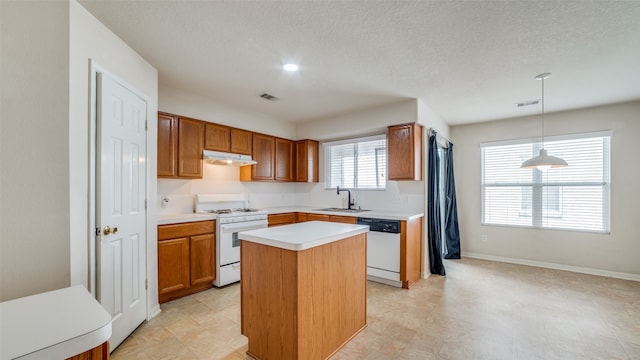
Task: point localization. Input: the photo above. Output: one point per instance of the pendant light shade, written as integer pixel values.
(543, 161)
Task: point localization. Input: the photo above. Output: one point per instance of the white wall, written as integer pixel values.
(90, 39)
(34, 183)
(610, 254)
(179, 102)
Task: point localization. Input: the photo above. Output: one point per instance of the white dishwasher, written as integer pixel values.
(383, 250)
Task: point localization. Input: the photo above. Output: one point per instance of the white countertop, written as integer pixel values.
(164, 219)
(53, 325)
(175, 218)
(378, 214)
(302, 236)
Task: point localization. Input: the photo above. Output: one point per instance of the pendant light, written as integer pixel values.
(543, 161)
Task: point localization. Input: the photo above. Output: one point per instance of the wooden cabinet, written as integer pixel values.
(410, 251)
(173, 265)
(227, 139)
(317, 217)
(180, 145)
(186, 258)
(167, 145)
(241, 141)
(404, 146)
(100, 352)
(301, 217)
(285, 161)
(282, 219)
(217, 137)
(202, 258)
(307, 161)
(343, 219)
(264, 153)
(190, 146)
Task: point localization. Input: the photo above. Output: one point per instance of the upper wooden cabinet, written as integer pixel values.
(285, 160)
(227, 139)
(307, 161)
(180, 145)
(190, 146)
(241, 141)
(217, 137)
(263, 153)
(167, 145)
(404, 144)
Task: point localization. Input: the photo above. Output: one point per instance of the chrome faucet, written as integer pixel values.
(349, 203)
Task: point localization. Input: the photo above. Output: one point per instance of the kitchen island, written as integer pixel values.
(303, 289)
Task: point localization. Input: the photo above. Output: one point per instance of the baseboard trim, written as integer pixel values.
(542, 264)
(154, 312)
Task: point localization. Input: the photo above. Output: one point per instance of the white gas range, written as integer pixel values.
(232, 217)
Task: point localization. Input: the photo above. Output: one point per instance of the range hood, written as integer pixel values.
(223, 158)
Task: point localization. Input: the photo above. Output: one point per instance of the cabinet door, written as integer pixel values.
(307, 161)
(190, 146)
(167, 145)
(264, 154)
(173, 265)
(203, 255)
(301, 217)
(317, 217)
(282, 219)
(405, 152)
(343, 219)
(217, 137)
(241, 141)
(284, 160)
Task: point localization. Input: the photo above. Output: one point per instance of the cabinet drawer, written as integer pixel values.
(344, 219)
(186, 229)
(282, 219)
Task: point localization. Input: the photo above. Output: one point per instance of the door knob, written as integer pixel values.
(107, 230)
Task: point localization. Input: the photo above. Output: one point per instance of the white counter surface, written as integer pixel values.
(302, 236)
(53, 325)
(176, 218)
(377, 214)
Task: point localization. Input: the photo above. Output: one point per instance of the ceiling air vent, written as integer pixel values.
(269, 97)
(527, 103)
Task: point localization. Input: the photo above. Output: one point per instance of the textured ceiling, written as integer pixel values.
(468, 61)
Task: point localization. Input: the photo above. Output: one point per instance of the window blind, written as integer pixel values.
(571, 198)
(357, 163)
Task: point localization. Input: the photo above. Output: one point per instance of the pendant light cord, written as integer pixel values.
(543, 112)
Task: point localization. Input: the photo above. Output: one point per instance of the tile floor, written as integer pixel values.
(480, 310)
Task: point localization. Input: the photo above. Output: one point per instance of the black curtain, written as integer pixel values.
(451, 231)
(433, 209)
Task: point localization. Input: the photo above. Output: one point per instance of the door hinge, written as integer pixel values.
(146, 125)
(145, 204)
(146, 284)
(97, 231)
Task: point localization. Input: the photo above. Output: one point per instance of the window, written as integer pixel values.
(357, 163)
(571, 198)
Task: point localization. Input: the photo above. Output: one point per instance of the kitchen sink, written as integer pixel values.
(342, 210)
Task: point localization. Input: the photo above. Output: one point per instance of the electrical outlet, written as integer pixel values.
(484, 238)
(405, 199)
(396, 199)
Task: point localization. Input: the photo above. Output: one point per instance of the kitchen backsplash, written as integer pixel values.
(220, 179)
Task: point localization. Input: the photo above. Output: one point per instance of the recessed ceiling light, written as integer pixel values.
(290, 67)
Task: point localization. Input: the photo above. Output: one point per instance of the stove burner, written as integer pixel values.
(245, 210)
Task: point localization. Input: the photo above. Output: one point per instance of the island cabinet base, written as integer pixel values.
(303, 304)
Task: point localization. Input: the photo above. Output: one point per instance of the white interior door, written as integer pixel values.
(120, 212)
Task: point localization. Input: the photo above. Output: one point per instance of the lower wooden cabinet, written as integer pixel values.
(100, 352)
(282, 219)
(186, 259)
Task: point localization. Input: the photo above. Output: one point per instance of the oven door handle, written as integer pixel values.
(248, 225)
